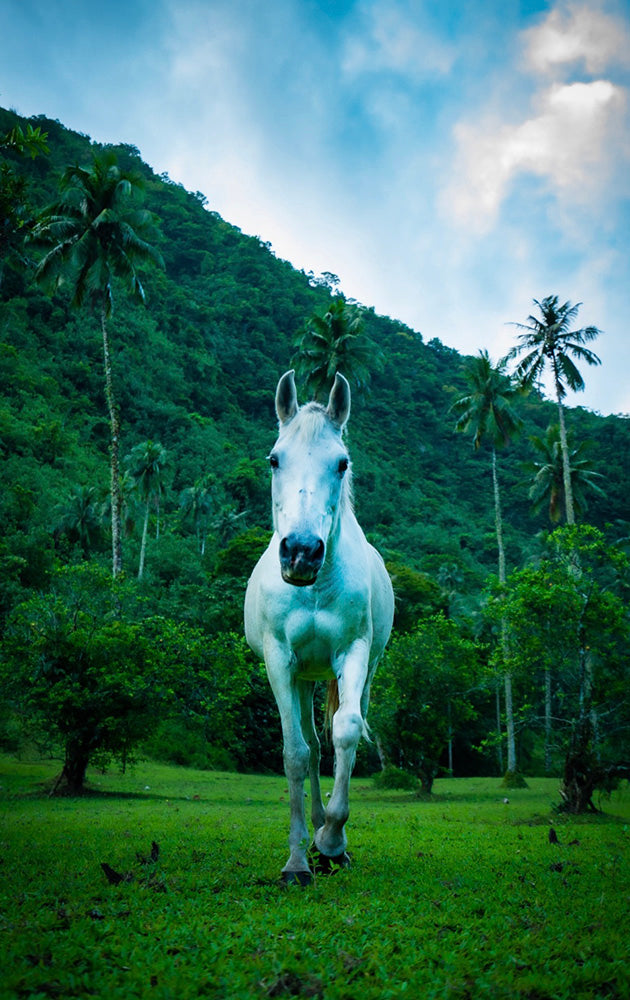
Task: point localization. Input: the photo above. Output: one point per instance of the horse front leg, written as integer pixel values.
(307, 690)
(296, 754)
(347, 728)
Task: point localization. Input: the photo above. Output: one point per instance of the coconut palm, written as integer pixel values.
(197, 502)
(79, 518)
(97, 236)
(335, 342)
(488, 410)
(146, 464)
(547, 489)
(550, 342)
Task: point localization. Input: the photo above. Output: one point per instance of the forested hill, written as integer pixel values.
(196, 371)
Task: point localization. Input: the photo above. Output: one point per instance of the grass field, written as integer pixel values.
(462, 896)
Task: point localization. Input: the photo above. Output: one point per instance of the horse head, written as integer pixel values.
(310, 478)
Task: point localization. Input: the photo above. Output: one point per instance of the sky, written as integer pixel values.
(449, 161)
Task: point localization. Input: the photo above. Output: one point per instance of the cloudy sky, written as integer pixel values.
(449, 161)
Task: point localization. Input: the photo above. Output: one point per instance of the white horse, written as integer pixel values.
(319, 606)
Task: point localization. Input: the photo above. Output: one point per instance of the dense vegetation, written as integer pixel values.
(195, 372)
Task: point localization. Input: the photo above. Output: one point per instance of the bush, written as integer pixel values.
(175, 742)
(395, 777)
(512, 779)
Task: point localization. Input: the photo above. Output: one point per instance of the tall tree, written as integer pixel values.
(488, 410)
(198, 502)
(549, 341)
(79, 518)
(146, 466)
(547, 489)
(334, 342)
(97, 234)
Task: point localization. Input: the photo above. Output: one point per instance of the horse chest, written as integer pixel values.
(316, 636)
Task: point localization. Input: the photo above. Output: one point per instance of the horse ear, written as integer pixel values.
(338, 408)
(286, 398)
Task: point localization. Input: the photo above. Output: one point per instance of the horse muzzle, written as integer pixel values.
(301, 558)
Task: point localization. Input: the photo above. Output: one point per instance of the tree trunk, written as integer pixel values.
(498, 518)
(509, 713)
(509, 726)
(114, 424)
(582, 773)
(582, 770)
(427, 777)
(547, 721)
(72, 777)
(566, 467)
(143, 544)
(499, 729)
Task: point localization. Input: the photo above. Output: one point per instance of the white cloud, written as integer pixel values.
(575, 142)
(573, 33)
(576, 138)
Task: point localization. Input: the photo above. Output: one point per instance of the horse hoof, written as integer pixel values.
(322, 864)
(297, 878)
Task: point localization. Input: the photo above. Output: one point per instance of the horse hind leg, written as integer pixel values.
(309, 732)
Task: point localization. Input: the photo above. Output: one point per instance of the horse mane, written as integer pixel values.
(308, 423)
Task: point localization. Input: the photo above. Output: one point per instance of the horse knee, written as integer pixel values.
(296, 761)
(347, 729)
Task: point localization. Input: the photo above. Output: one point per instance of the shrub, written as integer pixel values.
(395, 777)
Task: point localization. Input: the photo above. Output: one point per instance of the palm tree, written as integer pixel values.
(197, 502)
(547, 489)
(79, 518)
(146, 463)
(488, 411)
(335, 342)
(97, 236)
(549, 340)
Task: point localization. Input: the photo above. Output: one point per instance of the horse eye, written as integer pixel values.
(273, 461)
(343, 466)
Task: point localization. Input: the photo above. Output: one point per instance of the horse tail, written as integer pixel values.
(332, 703)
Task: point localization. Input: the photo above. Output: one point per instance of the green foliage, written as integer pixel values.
(417, 596)
(421, 695)
(547, 489)
(549, 340)
(566, 618)
(335, 342)
(96, 234)
(488, 408)
(80, 667)
(183, 742)
(394, 777)
(512, 779)
(25, 140)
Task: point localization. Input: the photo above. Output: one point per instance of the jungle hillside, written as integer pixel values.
(150, 659)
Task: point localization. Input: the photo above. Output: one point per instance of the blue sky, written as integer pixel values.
(450, 162)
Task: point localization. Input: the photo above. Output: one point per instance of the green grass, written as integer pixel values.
(462, 896)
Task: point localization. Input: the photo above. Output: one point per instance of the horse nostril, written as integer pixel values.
(317, 553)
